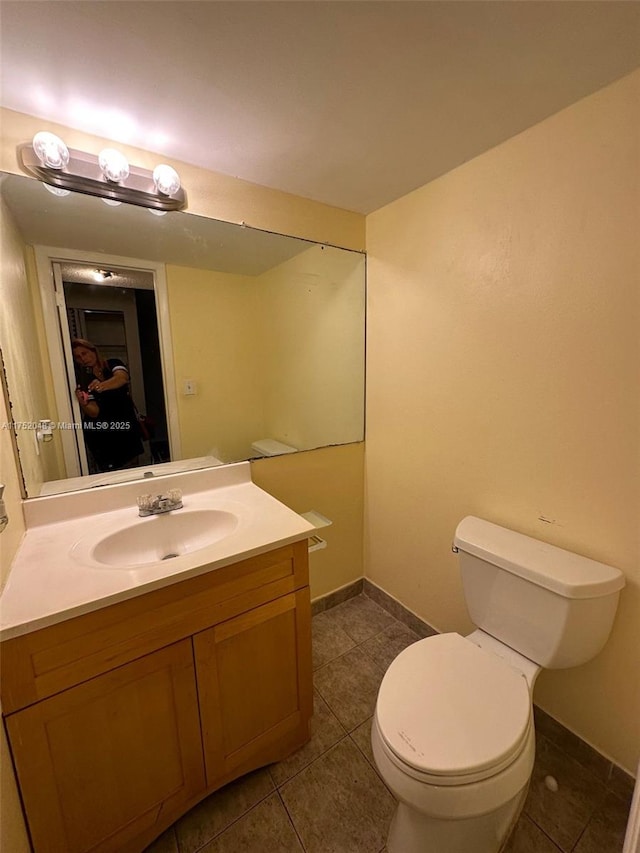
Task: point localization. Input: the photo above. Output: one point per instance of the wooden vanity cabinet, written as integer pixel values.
(119, 721)
(96, 762)
(247, 670)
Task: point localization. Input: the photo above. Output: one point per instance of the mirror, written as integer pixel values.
(237, 343)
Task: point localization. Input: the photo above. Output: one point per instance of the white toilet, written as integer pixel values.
(453, 732)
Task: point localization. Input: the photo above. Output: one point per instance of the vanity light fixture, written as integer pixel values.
(166, 179)
(108, 176)
(113, 165)
(50, 150)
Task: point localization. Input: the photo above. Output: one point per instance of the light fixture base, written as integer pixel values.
(82, 174)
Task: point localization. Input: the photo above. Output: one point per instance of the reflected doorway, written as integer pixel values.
(115, 309)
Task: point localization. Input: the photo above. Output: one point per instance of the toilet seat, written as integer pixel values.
(450, 713)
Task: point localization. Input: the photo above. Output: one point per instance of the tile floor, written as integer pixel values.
(328, 797)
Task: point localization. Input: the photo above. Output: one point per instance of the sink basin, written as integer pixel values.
(162, 537)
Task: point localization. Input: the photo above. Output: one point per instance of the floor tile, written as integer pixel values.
(349, 685)
(166, 843)
(220, 809)
(338, 804)
(360, 618)
(528, 838)
(564, 814)
(326, 731)
(606, 829)
(329, 641)
(386, 646)
(264, 829)
(362, 739)
(621, 783)
(571, 744)
(393, 607)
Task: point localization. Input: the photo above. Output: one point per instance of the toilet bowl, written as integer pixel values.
(453, 734)
(454, 741)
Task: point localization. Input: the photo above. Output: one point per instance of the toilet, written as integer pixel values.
(271, 447)
(453, 734)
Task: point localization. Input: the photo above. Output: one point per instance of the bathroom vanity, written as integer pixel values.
(122, 712)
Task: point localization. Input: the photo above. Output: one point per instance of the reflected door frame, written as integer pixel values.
(59, 343)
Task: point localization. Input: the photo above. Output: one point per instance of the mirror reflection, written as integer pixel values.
(175, 340)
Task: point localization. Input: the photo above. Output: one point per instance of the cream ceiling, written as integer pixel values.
(349, 103)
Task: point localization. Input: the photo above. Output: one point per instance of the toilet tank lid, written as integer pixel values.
(271, 447)
(560, 571)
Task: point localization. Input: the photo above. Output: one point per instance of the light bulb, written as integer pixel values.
(114, 165)
(51, 150)
(166, 179)
(56, 190)
(110, 201)
(157, 212)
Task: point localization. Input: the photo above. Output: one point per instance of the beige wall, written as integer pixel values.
(328, 480)
(312, 308)
(20, 339)
(504, 376)
(11, 536)
(215, 335)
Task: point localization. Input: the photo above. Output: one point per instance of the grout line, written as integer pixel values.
(313, 760)
(286, 811)
(546, 835)
(584, 829)
(235, 820)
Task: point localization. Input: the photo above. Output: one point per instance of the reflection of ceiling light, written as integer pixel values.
(108, 176)
(102, 275)
(113, 165)
(56, 190)
(50, 150)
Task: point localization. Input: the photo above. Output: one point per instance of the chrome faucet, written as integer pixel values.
(156, 505)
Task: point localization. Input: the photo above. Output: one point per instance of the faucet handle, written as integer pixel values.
(175, 495)
(145, 502)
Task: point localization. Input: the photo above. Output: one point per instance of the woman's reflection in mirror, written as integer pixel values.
(109, 418)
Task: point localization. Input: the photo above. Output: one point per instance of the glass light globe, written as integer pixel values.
(157, 212)
(51, 150)
(114, 165)
(166, 179)
(110, 201)
(56, 190)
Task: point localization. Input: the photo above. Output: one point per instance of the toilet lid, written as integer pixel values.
(448, 708)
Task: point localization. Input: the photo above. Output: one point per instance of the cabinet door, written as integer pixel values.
(254, 686)
(99, 763)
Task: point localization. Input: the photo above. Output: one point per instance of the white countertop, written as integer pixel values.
(50, 581)
(126, 475)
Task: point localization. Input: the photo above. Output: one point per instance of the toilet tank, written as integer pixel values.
(554, 607)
